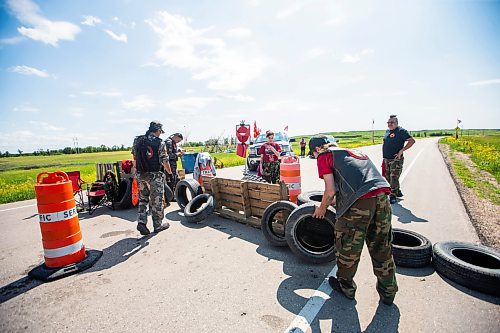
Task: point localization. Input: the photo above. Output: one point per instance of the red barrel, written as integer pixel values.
(61, 235)
(290, 175)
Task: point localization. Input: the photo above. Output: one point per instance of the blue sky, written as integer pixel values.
(102, 70)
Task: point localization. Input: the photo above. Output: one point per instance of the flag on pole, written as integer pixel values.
(256, 130)
(286, 128)
(459, 121)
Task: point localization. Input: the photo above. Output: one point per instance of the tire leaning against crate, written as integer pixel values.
(124, 197)
(192, 211)
(180, 191)
(474, 266)
(311, 239)
(167, 192)
(309, 196)
(267, 221)
(410, 249)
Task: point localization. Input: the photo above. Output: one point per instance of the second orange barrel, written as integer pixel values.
(61, 235)
(290, 175)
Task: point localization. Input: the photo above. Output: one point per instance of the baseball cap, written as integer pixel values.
(155, 125)
(317, 141)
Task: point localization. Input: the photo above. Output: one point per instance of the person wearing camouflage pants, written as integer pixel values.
(363, 215)
(396, 141)
(270, 153)
(149, 157)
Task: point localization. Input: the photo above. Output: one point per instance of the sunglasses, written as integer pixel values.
(391, 122)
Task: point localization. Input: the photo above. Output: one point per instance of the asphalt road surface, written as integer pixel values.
(222, 276)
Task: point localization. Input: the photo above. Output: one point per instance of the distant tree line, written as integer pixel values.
(66, 150)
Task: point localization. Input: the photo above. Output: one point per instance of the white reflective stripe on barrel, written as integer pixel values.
(63, 251)
(58, 216)
(293, 186)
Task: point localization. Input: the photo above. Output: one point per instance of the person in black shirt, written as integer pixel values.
(394, 145)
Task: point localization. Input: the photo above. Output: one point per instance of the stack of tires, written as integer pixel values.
(313, 240)
(197, 205)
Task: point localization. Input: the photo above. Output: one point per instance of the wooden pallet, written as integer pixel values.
(243, 201)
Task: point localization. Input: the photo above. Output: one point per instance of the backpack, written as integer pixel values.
(144, 153)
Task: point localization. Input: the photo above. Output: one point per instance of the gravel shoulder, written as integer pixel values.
(484, 214)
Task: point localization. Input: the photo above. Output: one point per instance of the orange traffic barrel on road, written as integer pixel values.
(61, 235)
(290, 175)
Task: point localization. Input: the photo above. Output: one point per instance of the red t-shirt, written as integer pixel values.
(325, 167)
(267, 154)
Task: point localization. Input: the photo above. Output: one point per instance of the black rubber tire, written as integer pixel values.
(410, 249)
(198, 209)
(168, 193)
(180, 191)
(309, 196)
(124, 197)
(267, 220)
(311, 239)
(250, 167)
(473, 266)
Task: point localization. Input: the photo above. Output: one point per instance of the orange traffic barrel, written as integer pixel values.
(290, 175)
(61, 236)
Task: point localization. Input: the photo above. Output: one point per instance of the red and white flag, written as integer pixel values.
(286, 128)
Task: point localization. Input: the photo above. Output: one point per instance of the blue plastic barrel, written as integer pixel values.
(188, 160)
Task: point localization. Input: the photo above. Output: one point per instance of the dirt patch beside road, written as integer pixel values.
(484, 214)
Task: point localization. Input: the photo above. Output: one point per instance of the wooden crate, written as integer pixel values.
(241, 200)
(102, 168)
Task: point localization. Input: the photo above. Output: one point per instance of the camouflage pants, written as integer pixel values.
(367, 220)
(393, 169)
(271, 171)
(174, 178)
(151, 192)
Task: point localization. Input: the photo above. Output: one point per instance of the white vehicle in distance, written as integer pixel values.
(253, 158)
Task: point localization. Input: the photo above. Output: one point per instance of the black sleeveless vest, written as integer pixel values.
(355, 175)
(148, 155)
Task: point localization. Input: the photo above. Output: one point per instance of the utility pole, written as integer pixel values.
(373, 131)
(75, 143)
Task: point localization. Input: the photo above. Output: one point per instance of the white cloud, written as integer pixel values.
(91, 20)
(104, 93)
(207, 58)
(239, 97)
(356, 57)
(291, 10)
(26, 70)
(239, 33)
(190, 103)
(130, 120)
(77, 112)
(41, 28)
(11, 40)
(26, 108)
(315, 52)
(140, 102)
(121, 38)
(485, 82)
(43, 126)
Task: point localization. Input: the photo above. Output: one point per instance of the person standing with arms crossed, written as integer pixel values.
(363, 215)
(394, 145)
(149, 156)
(270, 159)
(303, 147)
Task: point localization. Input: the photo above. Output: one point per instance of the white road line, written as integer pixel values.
(403, 176)
(4, 210)
(303, 320)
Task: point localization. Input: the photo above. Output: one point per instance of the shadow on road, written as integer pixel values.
(112, 256)
(124, 214)
(405, 215)
(477, 294)
(416, 272)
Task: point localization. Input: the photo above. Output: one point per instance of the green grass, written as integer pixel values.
(482, 188)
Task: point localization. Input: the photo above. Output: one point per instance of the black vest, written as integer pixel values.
(355, 175)
(148, 159)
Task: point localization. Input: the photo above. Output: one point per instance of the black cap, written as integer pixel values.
(317, 141)
(155, 125)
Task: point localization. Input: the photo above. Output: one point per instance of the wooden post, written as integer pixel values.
(247, 209)
(283, 191)
(214, 184)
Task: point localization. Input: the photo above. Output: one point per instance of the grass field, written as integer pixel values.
(18, 174)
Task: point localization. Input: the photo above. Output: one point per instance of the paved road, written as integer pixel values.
(222, 276)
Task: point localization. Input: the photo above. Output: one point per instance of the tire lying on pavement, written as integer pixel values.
(181, 189)
(410, 249)
(124, 197)
(309, 238)
(253, 178)
(273, 221)
(309, 196)
(199, 208)
(474, 266)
